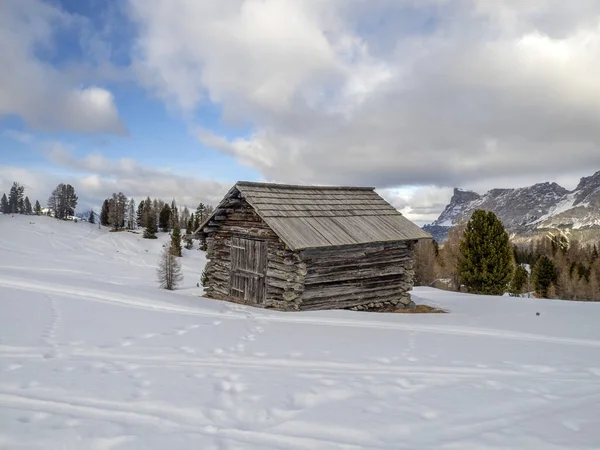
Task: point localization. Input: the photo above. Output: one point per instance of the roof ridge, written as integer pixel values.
(303, 187)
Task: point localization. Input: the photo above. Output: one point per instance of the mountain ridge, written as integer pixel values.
(524, 210)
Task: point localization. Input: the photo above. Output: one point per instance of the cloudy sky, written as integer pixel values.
(181, 98)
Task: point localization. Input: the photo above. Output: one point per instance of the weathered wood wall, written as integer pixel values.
(371, 276)
(285, 271)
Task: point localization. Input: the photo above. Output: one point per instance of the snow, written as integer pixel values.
(94, 356)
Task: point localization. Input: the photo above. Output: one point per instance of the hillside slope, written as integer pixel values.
(94, 356)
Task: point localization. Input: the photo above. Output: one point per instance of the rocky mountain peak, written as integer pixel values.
(462, 196)
(588, 190)
(541, 206)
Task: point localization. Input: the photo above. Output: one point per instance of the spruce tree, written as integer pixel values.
(164, 218)
(104, 213)
(15, 198)
(486, 263)
(176, 241)
(519, 280)
(190, 225)
(200, 212)
(27, 206)
(150, 230)
(150, 219)
(544, 276)
(174, 215)
(63, 201)
(140, 214)
(4, 206)
(37, 209)
(92, 218)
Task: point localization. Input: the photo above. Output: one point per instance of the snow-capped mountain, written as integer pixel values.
(537, 207)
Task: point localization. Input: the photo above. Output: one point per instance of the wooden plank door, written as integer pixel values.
(248, 269)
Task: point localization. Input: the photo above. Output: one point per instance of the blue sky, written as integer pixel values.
(180, 99)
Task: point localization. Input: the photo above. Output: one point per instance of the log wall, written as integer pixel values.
(285, 270)
(371, 276)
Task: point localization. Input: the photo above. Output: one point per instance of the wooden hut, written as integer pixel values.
(306, 247)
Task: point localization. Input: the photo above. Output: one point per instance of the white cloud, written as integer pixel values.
(96, 177)
(45, 97)
(390, 93)
(19, 136)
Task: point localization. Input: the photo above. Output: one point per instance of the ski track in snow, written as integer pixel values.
(92, 355)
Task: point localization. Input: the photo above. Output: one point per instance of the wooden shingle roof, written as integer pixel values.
(322, 216)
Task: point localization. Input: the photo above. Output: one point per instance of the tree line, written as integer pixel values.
(478, 257)
(17, 202)
(152, 215)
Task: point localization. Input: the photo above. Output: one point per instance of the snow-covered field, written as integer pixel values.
(94, 356)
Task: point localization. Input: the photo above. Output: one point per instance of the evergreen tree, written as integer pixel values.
(595, 253)
(519, 280)
(37, 209)
(63, 201)
(4, 206)
(150, 229)
(486, 263)
(15, 198)
(174, 215)
(200, 212)
(27, 206)
(104, 213)
(176, 241)
(164, 218)
(544, 276)
(92, 218)
(190, 226)
(140, 214)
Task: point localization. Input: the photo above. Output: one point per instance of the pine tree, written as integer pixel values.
(169, 270)
(486, 265)
(150, 229)
(92, 218)
(544, 275)
(140, 214)
(519, 280)
(104, 213)
(4, 206)
(15, 198)
(37, 209)
(27, 206)
(190, 225)
(63, 201)
(174, 215)
(200, 212)
(164, 218)
(176, 241)
(595, 253)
